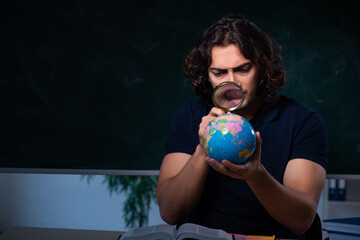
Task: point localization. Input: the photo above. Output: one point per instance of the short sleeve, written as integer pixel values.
(311, 141)
(183, 131)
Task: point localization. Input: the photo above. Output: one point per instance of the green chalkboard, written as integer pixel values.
(93, 84)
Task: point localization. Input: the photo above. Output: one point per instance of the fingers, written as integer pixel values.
(214, 112)
(216, 165)
(226, 167)
(258, 138)
(257, 152)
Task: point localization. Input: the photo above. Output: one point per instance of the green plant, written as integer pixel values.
(140, 191)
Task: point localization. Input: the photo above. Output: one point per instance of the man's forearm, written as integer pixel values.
(178, 195)
(291, 208)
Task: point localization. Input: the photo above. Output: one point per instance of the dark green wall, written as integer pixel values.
(93, 84)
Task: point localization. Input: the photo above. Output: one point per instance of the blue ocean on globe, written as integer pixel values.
(230, 137)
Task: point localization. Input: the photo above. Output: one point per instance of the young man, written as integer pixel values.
(275, 192)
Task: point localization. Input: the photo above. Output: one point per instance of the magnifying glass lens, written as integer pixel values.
(228, 96)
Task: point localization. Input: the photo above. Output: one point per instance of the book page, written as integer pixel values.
(162, 231)
(190, 230)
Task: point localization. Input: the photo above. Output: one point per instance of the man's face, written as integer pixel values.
(229, 64)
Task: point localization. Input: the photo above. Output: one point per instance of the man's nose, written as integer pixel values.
(231, 76)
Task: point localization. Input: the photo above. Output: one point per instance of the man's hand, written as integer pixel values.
(214, 112)
(240, 171)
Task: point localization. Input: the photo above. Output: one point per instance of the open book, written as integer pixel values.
(185, 231)
(169, 232)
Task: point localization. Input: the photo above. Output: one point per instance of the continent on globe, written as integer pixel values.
(230, 137)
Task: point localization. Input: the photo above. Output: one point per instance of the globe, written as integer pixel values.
(230, 137)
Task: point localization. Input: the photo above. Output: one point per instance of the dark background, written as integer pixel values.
(93, 84)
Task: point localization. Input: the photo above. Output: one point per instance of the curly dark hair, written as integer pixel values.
(255, 45)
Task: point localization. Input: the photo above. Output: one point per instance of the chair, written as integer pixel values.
(315, 230)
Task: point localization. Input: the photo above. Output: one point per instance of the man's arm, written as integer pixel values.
(180, 184)
(293, 203)
(182, 177)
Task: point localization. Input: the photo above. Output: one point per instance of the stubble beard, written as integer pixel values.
(250, 102)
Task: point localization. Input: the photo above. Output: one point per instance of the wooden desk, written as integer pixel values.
(33, 233)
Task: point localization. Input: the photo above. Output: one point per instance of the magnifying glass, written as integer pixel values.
(228, 96)
(229, 136)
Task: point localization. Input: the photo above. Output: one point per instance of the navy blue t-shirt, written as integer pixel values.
(288, 130)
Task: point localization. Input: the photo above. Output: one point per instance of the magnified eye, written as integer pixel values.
(232, 94)
(228, 96)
